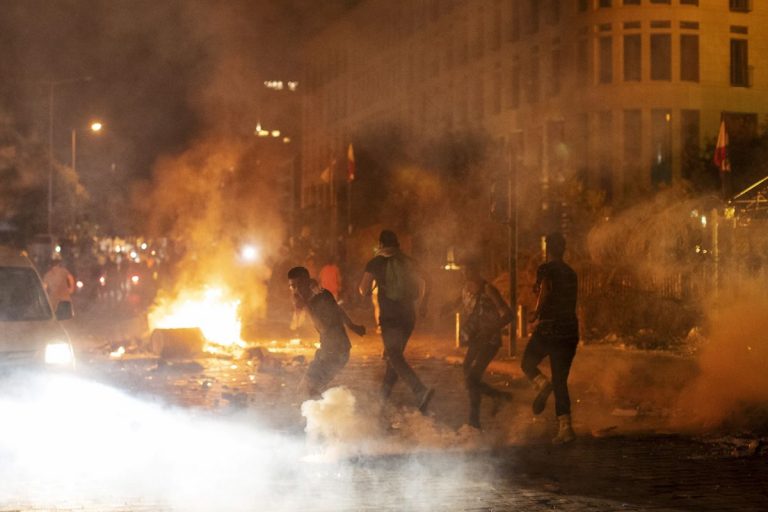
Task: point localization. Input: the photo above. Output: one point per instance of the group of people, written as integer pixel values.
(403, 287)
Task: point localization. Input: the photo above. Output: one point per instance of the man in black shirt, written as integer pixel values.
(329, 320)
(556, 334)
(400, 287)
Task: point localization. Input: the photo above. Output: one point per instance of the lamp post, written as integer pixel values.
(96, 127)
(51, 87)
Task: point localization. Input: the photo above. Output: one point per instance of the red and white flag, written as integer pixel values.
(350, 163)
(721, 150)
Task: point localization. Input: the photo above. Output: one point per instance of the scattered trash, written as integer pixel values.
(603, 432)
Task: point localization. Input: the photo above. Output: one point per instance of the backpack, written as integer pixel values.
(400, 282)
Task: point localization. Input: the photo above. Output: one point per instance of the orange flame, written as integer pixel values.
(212, 309)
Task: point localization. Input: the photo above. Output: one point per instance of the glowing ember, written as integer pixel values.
(212, 310)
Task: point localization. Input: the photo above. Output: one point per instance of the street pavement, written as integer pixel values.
(393, 459)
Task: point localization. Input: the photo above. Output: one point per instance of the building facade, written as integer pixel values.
(615, 92)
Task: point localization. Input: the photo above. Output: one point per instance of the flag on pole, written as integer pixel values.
(350, 163)
(721, 149)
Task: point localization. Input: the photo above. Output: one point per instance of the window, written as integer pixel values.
(513, 21)
(554, 75)
(631, 2)
(661, 57)
(689, 127)
(513, 87)
(533, 11)
(740, 5)
(581, 143)
(555, 142)
(479, 99)
(632, 57)
(533, 77)
(739, 63)
(479, 46)
(554, 12)
(633, 137)
(661, 1)
(496, 26)
(582, 57)
(742, 127)
(689, 2)
(689, 57)
(605, 176)
(605, 3)
(736, 29)
(661, 142)
(606, 60)
(583, 5)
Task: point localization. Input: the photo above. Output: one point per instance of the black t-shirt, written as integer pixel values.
(328, 321)
(560, 304)
(389, 309)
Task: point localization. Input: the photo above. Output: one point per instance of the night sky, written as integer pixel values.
(160, 71)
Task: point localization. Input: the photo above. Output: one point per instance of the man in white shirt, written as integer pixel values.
(59, 283)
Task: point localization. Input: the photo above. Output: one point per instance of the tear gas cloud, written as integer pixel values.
(665, 237)
(64, 440)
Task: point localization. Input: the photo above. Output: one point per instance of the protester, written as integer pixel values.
(556, 334)
(330, 277)
(329, 320)
(483, 314)
(400, 286)
(58, 282)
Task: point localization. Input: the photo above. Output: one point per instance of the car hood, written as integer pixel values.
(25, 336)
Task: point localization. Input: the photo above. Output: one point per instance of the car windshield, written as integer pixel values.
(21, 296)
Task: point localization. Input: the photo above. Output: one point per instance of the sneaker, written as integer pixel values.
(426, 397)
(565, 432)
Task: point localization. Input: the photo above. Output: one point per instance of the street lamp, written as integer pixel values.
(51, 86)
(96, 127)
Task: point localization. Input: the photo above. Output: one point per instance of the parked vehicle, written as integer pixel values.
(30, 333)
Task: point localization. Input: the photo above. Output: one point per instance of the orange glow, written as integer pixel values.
(212, 309)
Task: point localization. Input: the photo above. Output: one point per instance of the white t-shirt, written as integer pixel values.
(59, 284)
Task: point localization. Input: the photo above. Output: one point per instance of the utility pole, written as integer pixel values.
(512, 218)
(51, 86)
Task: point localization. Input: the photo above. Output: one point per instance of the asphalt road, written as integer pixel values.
(220, 434)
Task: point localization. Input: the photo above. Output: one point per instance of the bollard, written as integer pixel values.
(458, 330)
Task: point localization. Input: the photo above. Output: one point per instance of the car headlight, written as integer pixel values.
(59, 353)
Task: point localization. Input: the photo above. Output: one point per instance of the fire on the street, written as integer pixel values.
(213, 310)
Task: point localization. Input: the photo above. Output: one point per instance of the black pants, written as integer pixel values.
(561, 350)
(396, 333)
(324, 367)
(479, 356)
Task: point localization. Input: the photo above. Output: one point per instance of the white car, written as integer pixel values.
(30, 333)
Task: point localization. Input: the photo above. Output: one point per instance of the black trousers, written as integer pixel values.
(324, 367)
(395, 332)
(479, 356)
(561, 349)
